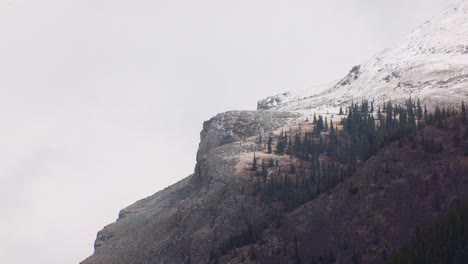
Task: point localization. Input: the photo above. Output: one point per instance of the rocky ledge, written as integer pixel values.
(182, 223)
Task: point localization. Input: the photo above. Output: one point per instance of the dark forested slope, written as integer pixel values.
(403, 188)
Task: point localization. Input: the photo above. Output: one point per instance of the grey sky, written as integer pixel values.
(102, 102)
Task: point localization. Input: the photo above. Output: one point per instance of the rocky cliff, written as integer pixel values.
(182, 223)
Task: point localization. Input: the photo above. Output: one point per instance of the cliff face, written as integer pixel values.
(182, 223)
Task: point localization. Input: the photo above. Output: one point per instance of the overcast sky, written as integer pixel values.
(102, 102)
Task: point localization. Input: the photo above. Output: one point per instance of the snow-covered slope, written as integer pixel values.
(430, 64)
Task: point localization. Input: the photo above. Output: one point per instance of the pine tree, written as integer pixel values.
(319, 125)
(264, 171)
(411, 115)
(314, 122)
(292, 169)
(426, 117)
(389, 117)
(463, 110)
(289, 150)
(281, 143)
(419, 112)
(270, 141)
(254, 166)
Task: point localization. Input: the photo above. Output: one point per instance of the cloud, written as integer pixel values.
(102, 102)
(14, 182)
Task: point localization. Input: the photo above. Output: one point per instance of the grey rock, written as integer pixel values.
(182, 223)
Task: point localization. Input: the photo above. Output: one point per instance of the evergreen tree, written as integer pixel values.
(419, 111)
(426, 116)
(389, 117)
(270, 141)
(292, 169)
(254, 166)
(319, 125)
(281, 143)
(463, 111)
(410, 113)
(443, 242)
(264, 171)
(314, 122)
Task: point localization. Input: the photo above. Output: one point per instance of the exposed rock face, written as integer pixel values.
(183, 222)
(273, 101)
(235, 126)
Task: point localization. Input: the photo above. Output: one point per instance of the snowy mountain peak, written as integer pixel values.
(446, 33)
(431, 64)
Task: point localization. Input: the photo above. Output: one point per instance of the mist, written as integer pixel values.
(102, 102)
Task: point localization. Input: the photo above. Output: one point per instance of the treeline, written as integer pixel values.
(244, 237)
(327, 155)
(444, 242)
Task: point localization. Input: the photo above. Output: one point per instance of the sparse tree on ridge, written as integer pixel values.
(270, 141)
(254, 166)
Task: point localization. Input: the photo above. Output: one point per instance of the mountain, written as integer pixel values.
(225, 212)
(430, 64)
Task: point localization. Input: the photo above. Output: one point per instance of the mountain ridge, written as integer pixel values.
(431, 64)
(184, 222)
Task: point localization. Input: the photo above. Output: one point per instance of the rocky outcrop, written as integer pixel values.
(273, 101)
(235, 126)
(183, 222)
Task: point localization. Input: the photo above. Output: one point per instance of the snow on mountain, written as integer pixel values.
(430, 64)
(278, 101)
